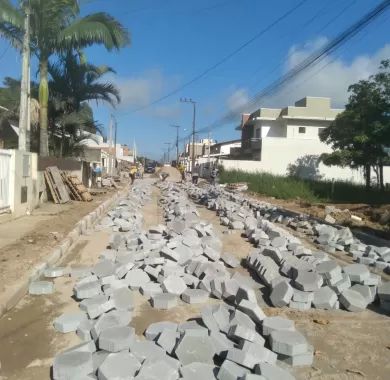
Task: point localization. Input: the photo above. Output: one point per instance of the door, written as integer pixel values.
(5, 162)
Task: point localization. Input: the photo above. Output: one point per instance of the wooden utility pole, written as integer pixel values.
(24, 117)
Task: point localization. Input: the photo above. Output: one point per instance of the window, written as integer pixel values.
(257, 133)
(302, 130)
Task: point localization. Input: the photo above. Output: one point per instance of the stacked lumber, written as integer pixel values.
(78, 189)
(65, 187)
(58, 190)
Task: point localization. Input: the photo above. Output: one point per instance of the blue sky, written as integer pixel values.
(175, 40)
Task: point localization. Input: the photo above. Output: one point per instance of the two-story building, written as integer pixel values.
(278, 140)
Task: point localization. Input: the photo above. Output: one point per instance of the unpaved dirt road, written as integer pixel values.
(348, 346)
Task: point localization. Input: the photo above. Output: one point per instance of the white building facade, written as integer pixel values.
(286, 141)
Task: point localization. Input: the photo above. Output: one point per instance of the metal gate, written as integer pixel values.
(5, 163)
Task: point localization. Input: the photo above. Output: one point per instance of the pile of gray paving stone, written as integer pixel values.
(296, 276)
(182, 259)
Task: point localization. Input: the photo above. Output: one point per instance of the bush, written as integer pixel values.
(283, 187)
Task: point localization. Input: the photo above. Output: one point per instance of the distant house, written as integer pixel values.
(225, 148)
(286, 141)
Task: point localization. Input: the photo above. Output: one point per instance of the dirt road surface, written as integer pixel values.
(347, 345)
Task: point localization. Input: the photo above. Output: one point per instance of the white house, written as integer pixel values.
(275, 139)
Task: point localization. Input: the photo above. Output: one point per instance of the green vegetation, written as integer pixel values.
(282, 187)
(57, 27)
(360, 135)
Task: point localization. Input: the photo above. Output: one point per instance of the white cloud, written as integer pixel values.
(237, 99)
(139, 91)
(330, 78)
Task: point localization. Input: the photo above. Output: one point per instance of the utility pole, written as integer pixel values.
(115, 135)
(110, 148)
(24, 87)
(177, 143)
(185, 100)
(169, 148)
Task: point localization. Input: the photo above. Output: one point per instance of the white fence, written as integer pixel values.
(5, 165)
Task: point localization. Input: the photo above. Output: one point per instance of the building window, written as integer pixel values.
(257, 133)
(302, 130)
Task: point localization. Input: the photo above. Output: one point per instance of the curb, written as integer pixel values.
(61, 250)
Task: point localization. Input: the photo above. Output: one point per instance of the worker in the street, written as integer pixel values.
(182, 170)
(195, 174)
(133, 173)
(213, 176)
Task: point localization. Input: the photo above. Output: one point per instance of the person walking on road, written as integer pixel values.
(195, 174)
(133, 173)
(182, 170)
(213, 176)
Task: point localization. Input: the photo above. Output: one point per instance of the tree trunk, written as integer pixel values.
(367, 174)
(43, 104)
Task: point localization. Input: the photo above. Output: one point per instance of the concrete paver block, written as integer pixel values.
(230, 260)
(281, 294)
(121, 365)
(70, 365)
(56, 272)
(272, 371)
(84, 330)
(253, 310)
(365, 291)
(115, 339)
(41, 287)
(239, 332)
(259, 352)
(357, 272)
(305, 359)
(271, 324)
(69, 322)
(194, 348)
(145, 349)
(197, 371)
(174, 285)
(104, 268)
(158, 370)
(193, 296)
(122, 299)
(137, 278)
(352, 300)
(231, 371)
(155, 329)
(324, 298)
(88, 290)
(167, 340)
(150, 289)
(308, 281)
(164, 301)
(288, 342)
(96, 306)
(111, 319)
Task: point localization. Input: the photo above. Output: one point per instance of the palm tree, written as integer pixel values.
(74, 84)
(55, 27)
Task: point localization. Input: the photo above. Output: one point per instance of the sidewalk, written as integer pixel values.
(26, 241)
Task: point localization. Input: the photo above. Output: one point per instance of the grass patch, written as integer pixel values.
(283, 187)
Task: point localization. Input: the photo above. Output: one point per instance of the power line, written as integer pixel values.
(224, 59)
(314, 58)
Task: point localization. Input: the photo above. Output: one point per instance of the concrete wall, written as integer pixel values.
(278, 153)
(23, 179)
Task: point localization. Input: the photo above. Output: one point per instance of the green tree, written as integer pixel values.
(56, 27)
(360, 134)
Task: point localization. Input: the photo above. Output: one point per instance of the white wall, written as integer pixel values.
(19, 179)
(278, 153)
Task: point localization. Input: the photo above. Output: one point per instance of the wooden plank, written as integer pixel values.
(74, 194)
(59, 184)
(52, 191)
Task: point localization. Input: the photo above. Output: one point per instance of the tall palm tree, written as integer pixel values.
(55, 27)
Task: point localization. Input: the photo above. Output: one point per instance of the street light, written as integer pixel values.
(177, 143)
(189, 100)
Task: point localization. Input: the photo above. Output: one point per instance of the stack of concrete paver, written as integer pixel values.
(296, 276)
(180, 259)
